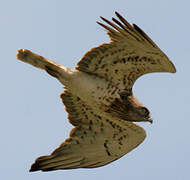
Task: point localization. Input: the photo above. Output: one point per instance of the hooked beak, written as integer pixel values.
(150, 120)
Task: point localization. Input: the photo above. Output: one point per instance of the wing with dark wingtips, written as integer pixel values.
(95, 141)
(129, 55)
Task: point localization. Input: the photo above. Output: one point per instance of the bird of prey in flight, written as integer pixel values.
(99, 99)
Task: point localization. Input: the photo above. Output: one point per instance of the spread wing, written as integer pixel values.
(130, 54)
(95, 141)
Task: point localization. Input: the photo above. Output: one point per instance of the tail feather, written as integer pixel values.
(56, 70)
(36, 60)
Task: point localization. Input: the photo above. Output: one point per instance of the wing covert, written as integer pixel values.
(130, 54)
(94, 142)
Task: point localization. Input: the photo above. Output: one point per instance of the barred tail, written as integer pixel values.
(52, 68)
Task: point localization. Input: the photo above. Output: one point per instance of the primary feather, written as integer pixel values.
(98, 97)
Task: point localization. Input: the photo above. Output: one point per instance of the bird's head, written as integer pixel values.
(134, 110)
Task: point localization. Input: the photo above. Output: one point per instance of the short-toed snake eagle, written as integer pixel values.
(98, 97)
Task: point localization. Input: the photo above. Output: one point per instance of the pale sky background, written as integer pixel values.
(33, 119)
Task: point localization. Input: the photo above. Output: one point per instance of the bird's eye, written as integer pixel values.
(145, 111)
